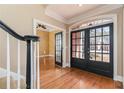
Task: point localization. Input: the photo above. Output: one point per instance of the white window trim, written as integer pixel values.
(114, 17)
(93, 25)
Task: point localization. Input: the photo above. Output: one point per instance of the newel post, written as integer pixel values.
(30, 40)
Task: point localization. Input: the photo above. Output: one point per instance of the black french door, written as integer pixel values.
(58, 48)
(92, 49)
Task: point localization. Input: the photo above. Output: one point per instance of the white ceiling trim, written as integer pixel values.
(103, 9)
(95, 12)
(108, 16)
(55, 15)
(46, 30)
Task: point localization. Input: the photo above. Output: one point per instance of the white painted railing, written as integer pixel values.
(8, 72)
(35, 71)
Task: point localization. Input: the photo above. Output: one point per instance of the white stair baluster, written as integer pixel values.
(32, 67)
(35, 64)
(8, 62)
(18, 65)
(38, 67)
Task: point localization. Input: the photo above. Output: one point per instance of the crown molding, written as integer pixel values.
(97, 11)
(54, 15)
(103, 9)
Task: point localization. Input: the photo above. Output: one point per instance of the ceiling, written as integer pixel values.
(69, 11)
(73, 14)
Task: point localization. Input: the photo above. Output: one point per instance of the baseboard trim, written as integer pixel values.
(46, 56)
(68, 65)
(3, 73)
(119, 78)
(116, 78)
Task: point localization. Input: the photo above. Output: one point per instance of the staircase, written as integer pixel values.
(14, 79)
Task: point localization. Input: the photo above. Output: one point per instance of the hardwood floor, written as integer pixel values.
(54, 77)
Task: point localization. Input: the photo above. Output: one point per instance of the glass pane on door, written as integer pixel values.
(92, 48)
(73, 42)
(78, 35)
(98, 40)
(98, 31)
(92, 40)
(92, 56)
(106, 48)
(106, 30)
(73, 48)
(92, 32)
(73, 54)
(58, 50)
(99, 48)
(77, 54)
(98, 57)
(106, 58)
(78, 42)
(73, 35)
(106, 40)
(82, 34)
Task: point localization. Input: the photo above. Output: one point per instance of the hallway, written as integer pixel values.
(54, 77)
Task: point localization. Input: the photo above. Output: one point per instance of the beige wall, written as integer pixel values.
(47, 42)
(52, 42)
(119, 13)
(44, 42)
(20, 18)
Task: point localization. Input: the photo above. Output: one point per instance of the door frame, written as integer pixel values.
(114, 18)
(87, 45)
(35, 21)
(123, 46)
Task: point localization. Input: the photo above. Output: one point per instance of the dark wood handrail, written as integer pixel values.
(16, 35)
(27, 39)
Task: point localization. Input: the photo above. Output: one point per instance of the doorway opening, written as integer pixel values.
(48, 49)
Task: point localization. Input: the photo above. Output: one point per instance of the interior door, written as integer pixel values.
(93, 51)
(58, 48)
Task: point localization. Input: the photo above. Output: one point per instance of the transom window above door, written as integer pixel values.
(92, 23)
